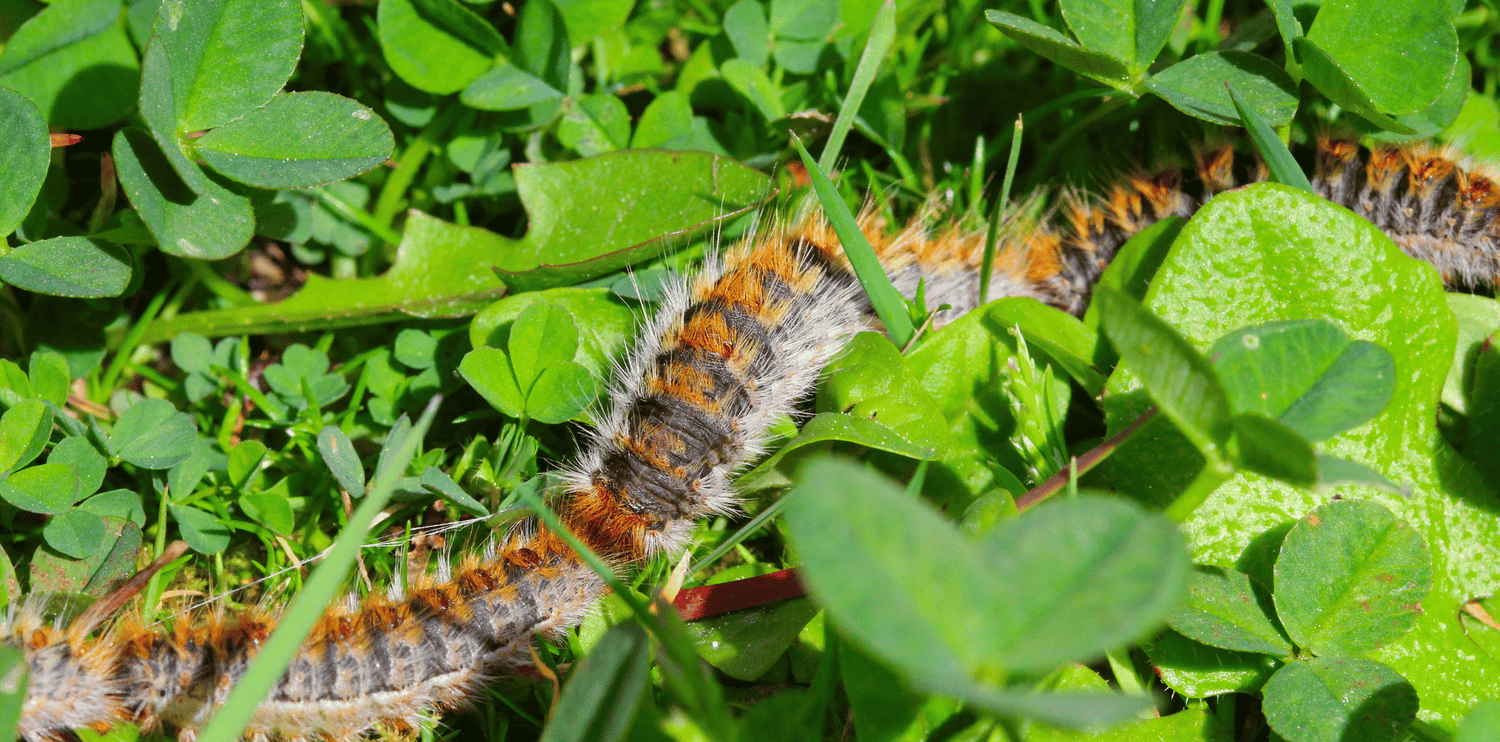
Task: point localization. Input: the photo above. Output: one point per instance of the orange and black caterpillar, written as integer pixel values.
(730, 349)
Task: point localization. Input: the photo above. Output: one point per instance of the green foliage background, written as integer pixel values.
(288, 225)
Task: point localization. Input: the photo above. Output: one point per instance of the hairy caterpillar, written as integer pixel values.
(729, 350)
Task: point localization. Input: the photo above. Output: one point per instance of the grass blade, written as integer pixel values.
(987, 262)
(297, 622)
(1284, 169)
(881, 35)
(680, 667)
(889, 305)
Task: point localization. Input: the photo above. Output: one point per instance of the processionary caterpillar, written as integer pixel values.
(730, 350)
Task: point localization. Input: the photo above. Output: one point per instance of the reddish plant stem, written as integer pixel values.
(1083, 464)
(697, 603)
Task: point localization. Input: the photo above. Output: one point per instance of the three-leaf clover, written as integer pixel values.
(535, 377)
(1349, 579)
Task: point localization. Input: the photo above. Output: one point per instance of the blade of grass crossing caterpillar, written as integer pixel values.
(606, 689)
(678, 663)
(1284, 169)
(882, 33)
(992, 236)
(889, 305)
(307, 607)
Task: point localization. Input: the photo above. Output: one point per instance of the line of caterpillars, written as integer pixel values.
(729, 350)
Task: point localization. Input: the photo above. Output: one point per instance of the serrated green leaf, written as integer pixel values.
(446, 270)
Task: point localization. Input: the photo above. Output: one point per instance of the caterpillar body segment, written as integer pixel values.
(728, 352)
(1437, 207)
(382, 664)
(72, 683)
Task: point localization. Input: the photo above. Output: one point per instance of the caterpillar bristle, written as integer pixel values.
(729, 351)
(72, 681)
